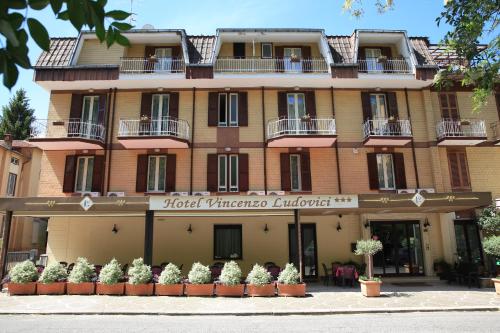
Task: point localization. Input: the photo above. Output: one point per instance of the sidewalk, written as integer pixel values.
(435, 296)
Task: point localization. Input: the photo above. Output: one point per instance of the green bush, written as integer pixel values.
(231, 274)
(82, 272)
(139, 273)
(290, 275)
(489, 220)
(369, 248)
(491, 245)
(259, 276)
(199, 274)
(170, 275)
(111, 273)
(24, 272)
(54, 272)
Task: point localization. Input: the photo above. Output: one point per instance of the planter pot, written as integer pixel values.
(267, 290)
(110, 289)
(84, 288)
(370, 288)
(294, 290)
(497, 285)
(230, 291)
(21, 288)
(485, 282)
(56, 288)
(169, 289)
(200, 289)
(145, 289)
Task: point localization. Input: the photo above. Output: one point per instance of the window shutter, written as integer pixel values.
(76, 106)
(305, 170)
(102, 109)
(367, 108)
(279, 51)
(373, 170)
(176, 52)
(285, 172)
(452, 100)
(386, 51)
(243, 108)
(142, 174)
(69, 174)
(149, 51)
(239, 50)
(213, 112)
(146, 104)
(392, 103)
(212, 172)
(399, 170)
(98, 175)
(170, 169)
(464, 171)
(282, 105)
(459, 174)
(448, 103)
(361, 53)
(173, 105)
(243, 181)
(311, 103)
(306, 58)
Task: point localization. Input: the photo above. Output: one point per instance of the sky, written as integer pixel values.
(417, 17)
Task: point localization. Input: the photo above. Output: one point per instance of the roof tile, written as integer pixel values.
(59, 54)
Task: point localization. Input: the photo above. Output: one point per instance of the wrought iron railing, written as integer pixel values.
(300, 126)
(146, 127)
(67, 128)
(152, 65)
(271, 65)
(386, 127)
(377, 66)
(460, 128)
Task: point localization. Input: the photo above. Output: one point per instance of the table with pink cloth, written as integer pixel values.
(341, 270)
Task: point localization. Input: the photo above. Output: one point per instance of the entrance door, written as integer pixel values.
(468, 241)
(402, 253)
(309, 249)
(293, 59)
(90, 115)
(372, 63)
(163, 59)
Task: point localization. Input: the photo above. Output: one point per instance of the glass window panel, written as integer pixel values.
(161, 173)
(267, 50)
(222, 109)
(385, 168)
(227, 242)
(152, 173)
(79, 175)
(222, 173)
(165, 104)
(474, 242)
(90, 172)
(95, 110)
(389, 166)
(291, 106)
(86, 108)
(301, 107)
(295, 172)
(234, 172)
(155, 107)
(11, 184)
(233, 109)
(461, 242)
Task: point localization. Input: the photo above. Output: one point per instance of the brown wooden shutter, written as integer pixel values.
(69, 174)
(176, 52)
(386, 51)
(372, 170)
(243, 108)
(146, 99)
(102, 109)
(213, 112)
(279, 52)
(239, 50)
(399, 170)
(98, 173)
(75, 111)
(392, 103)
(243, 181)
(306, 58)
(310, 103)
(305, 171)
(366, 105)
(170, 169)
(286, 184)
(452, 100)
(361, 53)
(464, 170)
(282, 105)
(212, 172)
(141, 179)
(459, 173)
(448, 104)
(149, 51)
(173, 105)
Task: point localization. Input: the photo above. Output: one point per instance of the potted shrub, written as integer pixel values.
(289, 282)
(139, 280)
(489, 221)
(370, 286)
(230, 281)
(52, 281)
(199, 278)
(170, 282)
(259, 282)
(110, 279)
(23, 278)
(80, 278)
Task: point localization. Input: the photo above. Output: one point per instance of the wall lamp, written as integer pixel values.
(266, 229)
(427, 225)
(115, 229)
(339, 227)
(367, 225)
(189, 229)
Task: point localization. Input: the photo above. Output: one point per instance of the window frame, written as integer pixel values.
(161, 100)
(227, 187)
(378, 104)
(11, 188)
(157, 174)
(85, 172)
(448, 109)
(270, 45)
(228, 226)
(386, 173)
(295, 104)
(299, 172)
(229, 121)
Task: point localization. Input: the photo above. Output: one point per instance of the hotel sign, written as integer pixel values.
(252, 202)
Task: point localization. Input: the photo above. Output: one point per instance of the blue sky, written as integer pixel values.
(204, 17)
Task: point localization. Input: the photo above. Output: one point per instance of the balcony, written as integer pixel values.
(146, 133)
(67, 134)
(271, 65)
(152, 65)
(385, 66)
(301, 132)
(465, 132)
(495, 128)
(387, 132)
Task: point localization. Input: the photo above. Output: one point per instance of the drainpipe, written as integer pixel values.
(192, 145)
(339, 182)
(264, 138)
(110, 138)
(412, 140)
(106, 146)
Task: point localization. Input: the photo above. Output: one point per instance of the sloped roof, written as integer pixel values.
(200, 49)
(342, 48)
(59, 54)
(421, 50)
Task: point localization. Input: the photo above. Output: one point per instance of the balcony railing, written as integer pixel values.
(67, 128)
(310, 126)
(152, 65)
(165, 127)
(390, 66)
(461, 128)
(386, 127)
(271, 65)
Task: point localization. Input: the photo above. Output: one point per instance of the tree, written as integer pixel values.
(17, 117)
(489, 221)
(81, 13)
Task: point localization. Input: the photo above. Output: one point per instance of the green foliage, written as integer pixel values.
(491, 245)
(139, 273)
(231, 274)
(24, 272)
(82, 13)
(199, 274)
(368, 247)
(489, 220)
(54, 272)
(290, 275)
(83, 271)
(355, 7)
(111, 273)
(366, 278)
(258, 276)
(170, 275)
(17, 117)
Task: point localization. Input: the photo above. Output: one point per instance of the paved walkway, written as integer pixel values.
(435, 296)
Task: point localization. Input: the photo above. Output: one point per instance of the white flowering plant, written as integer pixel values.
(111, 273)
(259, 276)
(82, 272)
(24, 272)
(231, 274)
(170, 275)
(199, 274)
(54, 272)
(139, 273)
(289, 275)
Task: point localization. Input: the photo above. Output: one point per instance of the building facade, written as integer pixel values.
(187, 148)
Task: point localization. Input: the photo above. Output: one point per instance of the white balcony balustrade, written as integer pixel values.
(146, 133)
(152, 65)
(383, 66)
(301, 132)
(271, 65)
(386, 127)
(461, 132)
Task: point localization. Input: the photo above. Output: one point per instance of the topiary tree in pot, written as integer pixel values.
(23, 278)
(170, 282)
(110, 279)
(289, 282)
(199, 278)
(230, 281)
(489, 221)
(80, 278)
(140, 279)
(370, 286)
(52, 281)
(259, 282)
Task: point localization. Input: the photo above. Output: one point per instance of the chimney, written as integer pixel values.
(7, 138)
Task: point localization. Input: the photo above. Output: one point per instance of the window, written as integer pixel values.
(292, 61)
(163, 59)
(378, 105)
(228, 173)
(84, 171)
(227, 242)
(90, 116)
(468, 241)
(295, 173)
(156, 173)
(267, 50)
(372, 56)
(459, 171)
(385, 167)
(296, 105)
(11, 184)
(159, 106)
(448, 103)
(14, 160)
(228, 109)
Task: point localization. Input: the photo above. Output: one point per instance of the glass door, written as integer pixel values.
(468, 241)
(372, 63)
(163, 59)
(293, 59)
(159, 114)
(296, 110)
(90, 115)
(309, 249)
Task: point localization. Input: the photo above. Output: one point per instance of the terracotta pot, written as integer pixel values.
(497, 285)
(145, 289)
(169, 289)
(110, 289)
(21, 288)
(84, 288)
(56, 288)
(230, 291)
(294, 290)
(200, 289)
(370, 288)
(267, 290)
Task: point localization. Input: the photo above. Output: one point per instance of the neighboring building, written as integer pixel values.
(193, 148)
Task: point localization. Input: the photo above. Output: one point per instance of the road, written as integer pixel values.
(403, 322)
